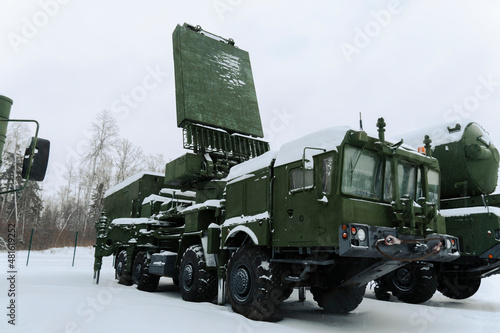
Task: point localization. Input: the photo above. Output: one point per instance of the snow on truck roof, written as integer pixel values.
(439, 135)
(130, 180)
(328, 139)
(467, 211)
(249, 166)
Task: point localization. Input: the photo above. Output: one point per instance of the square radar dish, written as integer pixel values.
(214, 83)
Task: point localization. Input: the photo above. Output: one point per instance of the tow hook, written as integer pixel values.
(419, 247)
(437, 248)
(391, 240)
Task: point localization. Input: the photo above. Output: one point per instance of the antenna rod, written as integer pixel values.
(360, 122)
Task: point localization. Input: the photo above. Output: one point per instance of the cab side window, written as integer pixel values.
(301, 179)
(326, 174)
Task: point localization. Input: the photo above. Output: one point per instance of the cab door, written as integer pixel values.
(301, 201)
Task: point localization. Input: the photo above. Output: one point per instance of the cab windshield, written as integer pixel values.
(362, 173)
(367, 175)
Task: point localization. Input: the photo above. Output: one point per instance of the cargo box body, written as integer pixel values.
(125, 199)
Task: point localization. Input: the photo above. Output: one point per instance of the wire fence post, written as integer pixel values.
(29, 249)
(74, 252)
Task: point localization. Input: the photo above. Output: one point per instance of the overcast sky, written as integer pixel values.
(315, 63)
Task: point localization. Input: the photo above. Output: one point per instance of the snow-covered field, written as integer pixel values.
(52, 296)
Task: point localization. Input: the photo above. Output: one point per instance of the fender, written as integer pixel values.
(244, 229)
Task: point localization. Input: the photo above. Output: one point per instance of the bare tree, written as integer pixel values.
(129, 159)
(104, 134)
(97, 162)
(154, 163)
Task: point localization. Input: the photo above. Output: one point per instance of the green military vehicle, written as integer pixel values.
(469, 164)
(37, 154)
(235, 221)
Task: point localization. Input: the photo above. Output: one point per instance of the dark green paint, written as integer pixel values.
(127, 201)
(476, 233)
(214, 83)
(471, 164)
(183, 170)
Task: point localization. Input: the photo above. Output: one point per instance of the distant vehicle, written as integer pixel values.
(469, 163)
(330, 211)
(37, 154)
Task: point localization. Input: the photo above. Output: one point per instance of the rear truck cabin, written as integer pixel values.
(469, 163)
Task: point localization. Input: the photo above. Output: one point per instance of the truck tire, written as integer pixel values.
(196, 282)
(121, 274)
(412, 283)
(338, 300)
(140, 275)
(456, 286)
(381, 292)
(252, 288)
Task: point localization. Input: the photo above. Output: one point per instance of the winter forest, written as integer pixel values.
(55, 218)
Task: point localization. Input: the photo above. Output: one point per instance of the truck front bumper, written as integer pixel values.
(364, 241)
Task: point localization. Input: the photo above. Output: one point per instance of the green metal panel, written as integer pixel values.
(183, 170)
(150, 208)
(249, 196)
(211, 190)
(303, 217)
(199, 219)
(5, 105)
(127, 201)
(213, 243)
(214, 83)
(475, 231)
(235, 199)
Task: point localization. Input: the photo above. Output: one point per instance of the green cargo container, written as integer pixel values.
(183, 170)
(125, 199)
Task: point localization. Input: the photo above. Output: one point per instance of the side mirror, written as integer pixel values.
(36, 159)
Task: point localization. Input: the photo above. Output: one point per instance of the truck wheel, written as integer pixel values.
(196, 282)
(381, 292)
(340, 299)
(141, 277)
(253, 290)
(175, 279)
(121, 274)
(458, 287)
(413, 284)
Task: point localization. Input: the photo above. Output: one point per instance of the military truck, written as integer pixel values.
(469, 164)
(36, 155)
(236, 221)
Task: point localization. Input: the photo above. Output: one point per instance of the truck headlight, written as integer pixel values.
(448, 243)
(361, 234)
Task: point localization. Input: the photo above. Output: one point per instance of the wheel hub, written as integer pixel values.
(187, 276)
(241, 284)
(404, 280)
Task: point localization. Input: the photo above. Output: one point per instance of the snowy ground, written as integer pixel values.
(52, 296)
